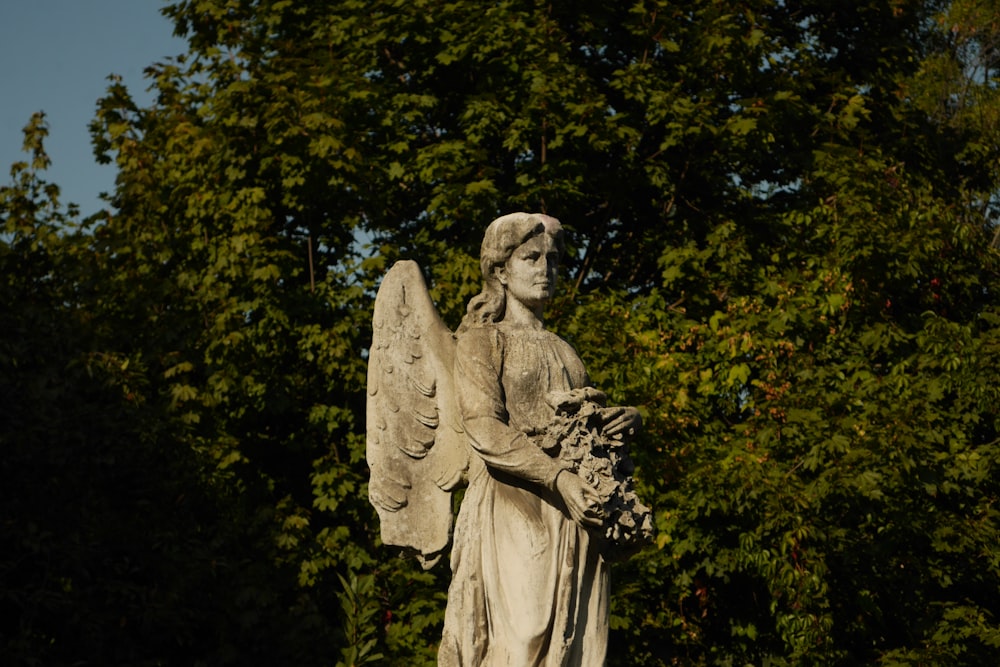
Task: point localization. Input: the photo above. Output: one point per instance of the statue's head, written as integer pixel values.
(507, 233)
(503, 236)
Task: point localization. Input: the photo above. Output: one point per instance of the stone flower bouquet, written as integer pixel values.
(575, 437)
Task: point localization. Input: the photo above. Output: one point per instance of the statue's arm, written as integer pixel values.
(478, 363)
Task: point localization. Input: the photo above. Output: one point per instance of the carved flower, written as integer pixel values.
(575, 437)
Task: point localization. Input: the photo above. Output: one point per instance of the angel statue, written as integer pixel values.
(506, 407)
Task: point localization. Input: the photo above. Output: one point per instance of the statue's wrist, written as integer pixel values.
(554, 486)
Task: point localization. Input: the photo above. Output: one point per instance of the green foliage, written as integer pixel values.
(122, 545)
(783, 250)
(824, 440)
(361, 611)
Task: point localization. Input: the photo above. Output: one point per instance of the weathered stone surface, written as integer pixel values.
(506, 406)
(576, 436)
(416, 450)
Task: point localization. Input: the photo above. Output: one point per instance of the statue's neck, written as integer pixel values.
(519, 315)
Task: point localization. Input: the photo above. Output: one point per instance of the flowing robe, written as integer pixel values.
(529, 589)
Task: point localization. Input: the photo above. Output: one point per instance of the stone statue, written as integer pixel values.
(506, 407)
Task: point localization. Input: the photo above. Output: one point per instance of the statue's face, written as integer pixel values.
(530, 274)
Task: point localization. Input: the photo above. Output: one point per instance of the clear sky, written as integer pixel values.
(55, 56)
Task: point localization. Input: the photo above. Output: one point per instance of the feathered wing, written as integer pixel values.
(416, 450)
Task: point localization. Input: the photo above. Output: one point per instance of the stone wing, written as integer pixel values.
(416, 450)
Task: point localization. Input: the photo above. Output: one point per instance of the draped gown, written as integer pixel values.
(528, 587)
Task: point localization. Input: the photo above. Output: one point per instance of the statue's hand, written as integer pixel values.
(570, 401)
(582, 500)
(619, 420)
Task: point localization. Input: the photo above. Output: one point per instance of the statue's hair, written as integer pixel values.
(503, 236)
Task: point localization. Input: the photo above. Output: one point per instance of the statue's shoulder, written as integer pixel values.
(481, 338)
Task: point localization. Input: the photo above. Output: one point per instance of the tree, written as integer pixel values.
(781, 221)
(121, 543)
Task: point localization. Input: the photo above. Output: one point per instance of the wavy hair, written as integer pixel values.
(503, 236)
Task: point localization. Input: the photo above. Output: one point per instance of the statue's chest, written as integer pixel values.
(534, 366)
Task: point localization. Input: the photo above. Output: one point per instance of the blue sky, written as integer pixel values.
(55, 56)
